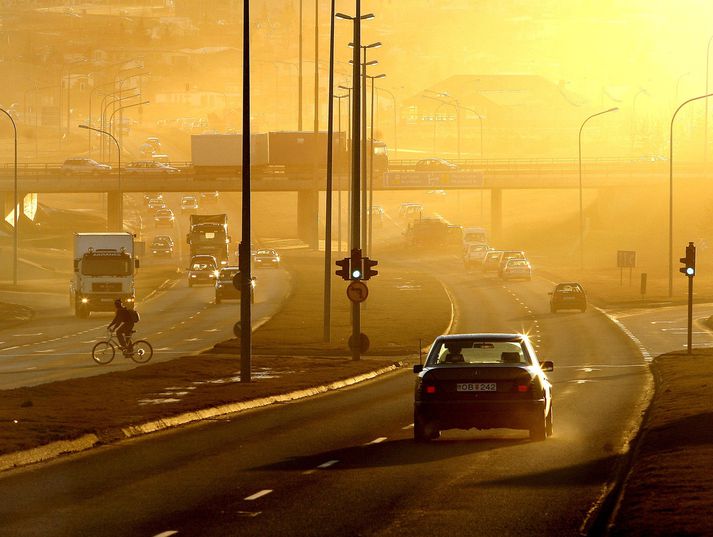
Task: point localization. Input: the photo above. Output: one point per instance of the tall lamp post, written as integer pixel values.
(705, 120)
(118, 226)
(328, 194)
(670, 190)
(15, 211)
(339, 187)
(581, 208)
(356, 131)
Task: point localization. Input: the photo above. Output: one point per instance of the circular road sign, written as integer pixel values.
(357, 291)
(363, 342)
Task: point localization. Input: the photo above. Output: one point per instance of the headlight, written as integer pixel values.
(85, 300)
(215, 273)
(193, 275)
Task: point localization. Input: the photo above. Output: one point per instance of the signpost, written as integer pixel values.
(689, 269)
(357, 291)
(625, 259)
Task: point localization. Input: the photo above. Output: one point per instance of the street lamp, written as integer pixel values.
(356, 130)
(120, 210)
(581, 211)
(670, 190)
(15, 211)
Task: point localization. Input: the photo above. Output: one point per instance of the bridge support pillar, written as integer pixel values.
(496, 214)
(114, 212)
(307, 216)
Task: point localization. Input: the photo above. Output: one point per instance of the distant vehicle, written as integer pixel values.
(377, 214)
(155, 143)
(225, 289)
(474, 235)
(474, 255)
(491, 261)
(568, 296)
(208, 234)
(202, 269)
(164, 217)
(162, 246)
(435, 165)
(516, 269)
(427, 232)
(156, 203)
(482, 381)
(149, 167)
(509, 254)
(266, 258)
(152, 196)
(84, 166)
(210, 197)
(188, 204)
(410, 210)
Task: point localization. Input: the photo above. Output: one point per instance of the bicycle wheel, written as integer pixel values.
(143, 351)
(103, 352)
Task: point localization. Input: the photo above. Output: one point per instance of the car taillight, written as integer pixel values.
(430, 389)
(522, 388)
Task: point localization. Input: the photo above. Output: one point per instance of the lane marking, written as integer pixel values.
(257, 495)
(376, 441)
(328, 464)
(409, 426)
(166, 533)
(25, 335)
(46, 350)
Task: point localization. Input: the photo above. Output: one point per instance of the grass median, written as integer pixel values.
(405, 306)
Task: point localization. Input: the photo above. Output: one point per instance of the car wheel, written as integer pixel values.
(549, 425)
(419, 431)
(538, 430)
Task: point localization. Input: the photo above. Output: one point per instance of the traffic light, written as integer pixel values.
(355, 268)
(344, 268)
(689, 268)
(368, 270)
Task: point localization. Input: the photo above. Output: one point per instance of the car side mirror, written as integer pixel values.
(417, 368)
(547, 365)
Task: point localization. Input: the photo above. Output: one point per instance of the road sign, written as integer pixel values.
(363, 342)
(625, 259)
(236, 330)
(357, 291)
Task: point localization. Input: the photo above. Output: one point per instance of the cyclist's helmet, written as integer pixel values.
(117, 302)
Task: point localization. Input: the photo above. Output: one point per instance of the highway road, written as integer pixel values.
(345, 463)
(176, 320)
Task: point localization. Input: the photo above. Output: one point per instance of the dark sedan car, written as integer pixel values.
(225, 289)
(568, 296)
(482, 381)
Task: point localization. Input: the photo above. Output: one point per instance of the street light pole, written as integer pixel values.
(581, 208)
(339, 188)
(371, 168)
(705, 120)
(328, 194)
(15, 209)
(670, 190)
(117, 226)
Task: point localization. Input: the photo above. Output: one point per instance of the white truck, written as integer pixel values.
(104, 268)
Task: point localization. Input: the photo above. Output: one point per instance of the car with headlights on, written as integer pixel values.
(474, 255)
(516, 269)
(482, 381)
(225, 288)
(203, 269)
(266, 258)
(491, 261)
(568, 296)
(164, 217)
(162, 246)
(189, 204)
(506, 256)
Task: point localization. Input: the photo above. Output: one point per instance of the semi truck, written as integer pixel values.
(208, 235)
(104, 269)
(277, 151)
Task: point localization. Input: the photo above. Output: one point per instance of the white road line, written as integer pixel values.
(328, 464)
(376, 441)
(166, 533)
(409, 426)
(257, 495)
(46, 350)
(191, 339)
(10, 348)
(23, 335)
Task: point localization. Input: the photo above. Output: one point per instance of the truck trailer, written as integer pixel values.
(104, 269)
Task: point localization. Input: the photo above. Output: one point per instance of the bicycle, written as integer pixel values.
(104, 351)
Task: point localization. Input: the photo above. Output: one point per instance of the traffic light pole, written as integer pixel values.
(690, 315)
(244, 247)
(356, 176)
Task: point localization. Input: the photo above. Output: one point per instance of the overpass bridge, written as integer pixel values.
(492, 175)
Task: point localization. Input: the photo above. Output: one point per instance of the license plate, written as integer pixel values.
(476, 387)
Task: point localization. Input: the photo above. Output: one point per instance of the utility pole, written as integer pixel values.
(244, 248)
(328, 194)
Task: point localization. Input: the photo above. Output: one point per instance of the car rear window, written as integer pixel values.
(478, 352)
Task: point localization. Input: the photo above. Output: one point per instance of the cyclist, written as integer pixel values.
(124, 324)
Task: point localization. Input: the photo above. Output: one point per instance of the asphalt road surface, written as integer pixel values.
(176, 320)
(345, 463)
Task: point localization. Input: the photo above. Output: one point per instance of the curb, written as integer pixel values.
(88, 441)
